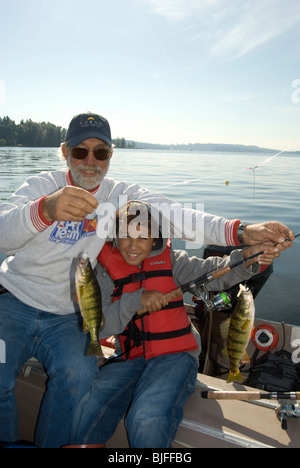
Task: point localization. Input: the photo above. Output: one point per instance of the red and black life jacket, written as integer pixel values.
(164, 332)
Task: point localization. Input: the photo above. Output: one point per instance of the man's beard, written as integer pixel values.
(79, 179)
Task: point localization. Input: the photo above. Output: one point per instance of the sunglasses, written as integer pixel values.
(101, 154)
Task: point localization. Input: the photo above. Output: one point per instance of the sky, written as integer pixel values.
(160, 71)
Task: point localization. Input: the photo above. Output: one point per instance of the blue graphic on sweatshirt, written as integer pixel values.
(69, 232)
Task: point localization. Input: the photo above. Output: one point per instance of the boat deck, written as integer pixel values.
(206, 423)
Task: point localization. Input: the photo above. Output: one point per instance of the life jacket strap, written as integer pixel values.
(171, 305)
(138, 336)
(137, 278)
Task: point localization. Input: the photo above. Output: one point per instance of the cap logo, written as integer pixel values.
(90, 122)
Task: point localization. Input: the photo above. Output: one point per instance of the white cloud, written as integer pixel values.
(182, 9)
(255, 23)
(231, 27)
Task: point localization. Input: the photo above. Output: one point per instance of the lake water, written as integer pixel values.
(221, 181)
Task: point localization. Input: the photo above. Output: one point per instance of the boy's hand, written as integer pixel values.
(270, 252)
(152, 301)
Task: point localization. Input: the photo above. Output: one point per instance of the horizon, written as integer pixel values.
(253, 146)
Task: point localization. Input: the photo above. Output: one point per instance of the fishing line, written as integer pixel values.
(253, 168)
(260, 165)
(218, 175)
(275, 156)
(215, 175)
(189, 181)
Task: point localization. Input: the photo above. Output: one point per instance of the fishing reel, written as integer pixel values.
(220, 300)
(287, 410)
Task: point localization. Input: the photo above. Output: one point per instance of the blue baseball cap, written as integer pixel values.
(84, 126)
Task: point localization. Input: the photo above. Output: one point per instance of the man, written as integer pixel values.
(47, 224)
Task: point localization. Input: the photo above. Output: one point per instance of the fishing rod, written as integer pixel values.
(287, 239)
(250, 395)
(213, 275)
(286, 409)
(297, 235)
(207, 278)
(202, 280)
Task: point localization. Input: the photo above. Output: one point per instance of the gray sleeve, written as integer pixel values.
(187, 269)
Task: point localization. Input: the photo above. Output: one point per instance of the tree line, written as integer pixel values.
(29, 133)
(44, 134)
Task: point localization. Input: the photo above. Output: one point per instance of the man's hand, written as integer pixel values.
(69, 204)
(271, 231)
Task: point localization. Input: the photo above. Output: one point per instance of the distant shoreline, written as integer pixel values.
(29, 134)
(209, 147)
(213, 147)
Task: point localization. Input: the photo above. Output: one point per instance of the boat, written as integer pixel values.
(261, 412)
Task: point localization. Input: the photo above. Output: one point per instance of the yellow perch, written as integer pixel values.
(88, 295)
(240, 329)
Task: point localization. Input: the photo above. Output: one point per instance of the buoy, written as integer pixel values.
(265, 337)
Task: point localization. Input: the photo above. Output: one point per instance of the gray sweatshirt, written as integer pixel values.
(42, 257)
(119, 313)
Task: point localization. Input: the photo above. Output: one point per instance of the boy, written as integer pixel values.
(156, 370)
